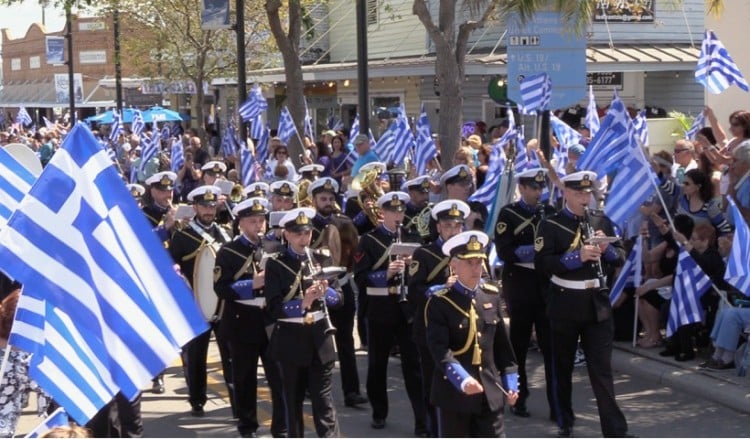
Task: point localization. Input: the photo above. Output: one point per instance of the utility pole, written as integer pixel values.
(118, 61)
(71, 85)
(241, 72)
(362, 76)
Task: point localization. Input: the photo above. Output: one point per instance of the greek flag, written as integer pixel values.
(354, 131)
(738, 265)
(309, 131)
(177, 155)
(631, 275)
(425, 150)
(23, 117)
(640, 128)
(536, 92)
(716, 70)
(138, 124)
(152, 148)
(229, 142)
(49, 124)
(698, 123)
(102, 309)
(254, 105)
(286, 125)
(592, 113)
(522, 162)
(690, 283)
(166, 132)
(261, 148)
(58, 418)
(488, 191)
(632, 186)
(256, 127)
(397, 141)
(117, 128)
(612, 143)
(15, 182)
(250, 171)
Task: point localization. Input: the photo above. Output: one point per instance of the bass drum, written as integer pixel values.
(203, 283)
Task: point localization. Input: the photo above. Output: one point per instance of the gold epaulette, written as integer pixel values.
(441, 292)
(491, 289)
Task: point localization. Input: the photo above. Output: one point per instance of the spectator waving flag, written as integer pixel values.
(138, 124)
(153, 147)
(738, 265)
(631, 274)
(286, 125)
(716, 70)
(15, 182)
(690, 283)
(592, 113)
(425, 150)
(698, 123)
(254, 105)
(612, 143)
(633, 184)
(536, 93)
(58, 418)
(102, 310)
(116, 130)
(23, 117)
(177, 155)
(640, 128)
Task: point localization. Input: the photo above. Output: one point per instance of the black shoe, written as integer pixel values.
(378, 424)
(720, 365)
(668, 352)
(565, 432)
(354, 399)
(157, 385)
(197, 410)
(685, 356)
(520, 411)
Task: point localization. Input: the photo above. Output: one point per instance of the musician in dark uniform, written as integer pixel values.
(429, 267)
(302, 340)
(418, 206)
(474, 363)
(240, 284)
(458, 184)
(579, 300)
(283, 194)
(212, 171)
(524, 290)
(137, 191)
(364, 198)
(184, 246)
(257, 189)
(380, 277)
(322, 193)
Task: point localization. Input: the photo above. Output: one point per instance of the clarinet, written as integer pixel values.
(403, 289)
(541, 212)
(330, 329)
(588, 233)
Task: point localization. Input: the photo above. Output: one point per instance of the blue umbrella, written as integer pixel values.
(160, 114)
(108, 117)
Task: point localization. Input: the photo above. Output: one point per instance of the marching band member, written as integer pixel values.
(579, 301)
(137, 191)
(283, 194)
(257, 189)
(429, 267)
(458, 184)
(310, 172)
(212, 171)
(418, 205)
(240, 284)
(302, 343)
(524, 289)
(379, 278)
(468, 341)
(184, 247)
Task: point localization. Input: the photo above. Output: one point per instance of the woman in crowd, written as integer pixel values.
(323, 158)
(340, 164)
(698, 202)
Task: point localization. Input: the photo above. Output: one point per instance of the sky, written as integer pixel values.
(19, 17)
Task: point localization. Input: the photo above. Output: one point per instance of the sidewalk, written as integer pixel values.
(720, 386)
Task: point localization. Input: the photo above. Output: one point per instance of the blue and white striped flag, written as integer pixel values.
(102, 309)
(166, 132)
(690, 283)
(49, 124)
(177, 155)
(698, 123)
(397, 141)
(632, 186)
(15, 182)
(487, 193)
(309, 131)
(254, 105)
(256, 127)
(640, 128)
(23, 116)
(286, 125)
(631, 274)
(716, 70)
(354, 131)
(612, 143)
(522, 162)
(138, 124)
(58, 418)
(536, 93)
(229, 142)
(738, 264)
(425, 151)
(592, 113)
(249, 166)
(261, 148)
(152, 148)
(117, 129)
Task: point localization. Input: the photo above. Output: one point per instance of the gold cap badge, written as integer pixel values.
(473, 245)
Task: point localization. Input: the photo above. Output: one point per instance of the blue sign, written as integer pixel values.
(55, 50)
(548, 44)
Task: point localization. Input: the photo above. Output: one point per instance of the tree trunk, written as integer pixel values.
(450, 79)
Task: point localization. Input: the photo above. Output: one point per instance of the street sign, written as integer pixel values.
(546, 43)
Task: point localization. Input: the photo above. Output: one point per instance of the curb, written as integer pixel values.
(721, 390)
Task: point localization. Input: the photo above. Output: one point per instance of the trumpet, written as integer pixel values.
(314, 275)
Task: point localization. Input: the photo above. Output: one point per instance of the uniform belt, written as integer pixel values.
(386, 291)
(259, 302)
(529, 265)
(308, 319)
(575, 284)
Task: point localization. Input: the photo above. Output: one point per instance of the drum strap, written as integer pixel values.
(318, 241)
(207, 238)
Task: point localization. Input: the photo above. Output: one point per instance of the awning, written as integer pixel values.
(41, 94)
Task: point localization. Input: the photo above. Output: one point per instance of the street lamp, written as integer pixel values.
(69, 36)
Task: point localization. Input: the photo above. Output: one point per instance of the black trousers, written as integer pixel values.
(381, 338)
(317, 377)
(427, 367)
(194, 356)
(129, 414)
(461, 424)
(245, 373)
(596, 342)
(343, 319)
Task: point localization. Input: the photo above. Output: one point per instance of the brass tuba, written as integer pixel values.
(303, 199)
(368, 185)
(235, 196)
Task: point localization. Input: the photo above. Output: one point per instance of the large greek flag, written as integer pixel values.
(716, 69)
(632, 186)
(612, 143)
(254, 105)
(631, 274)
(286, 126)
(102, 309)
(690, 283)
(738, 263)
(15, 182)
(536, 93)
